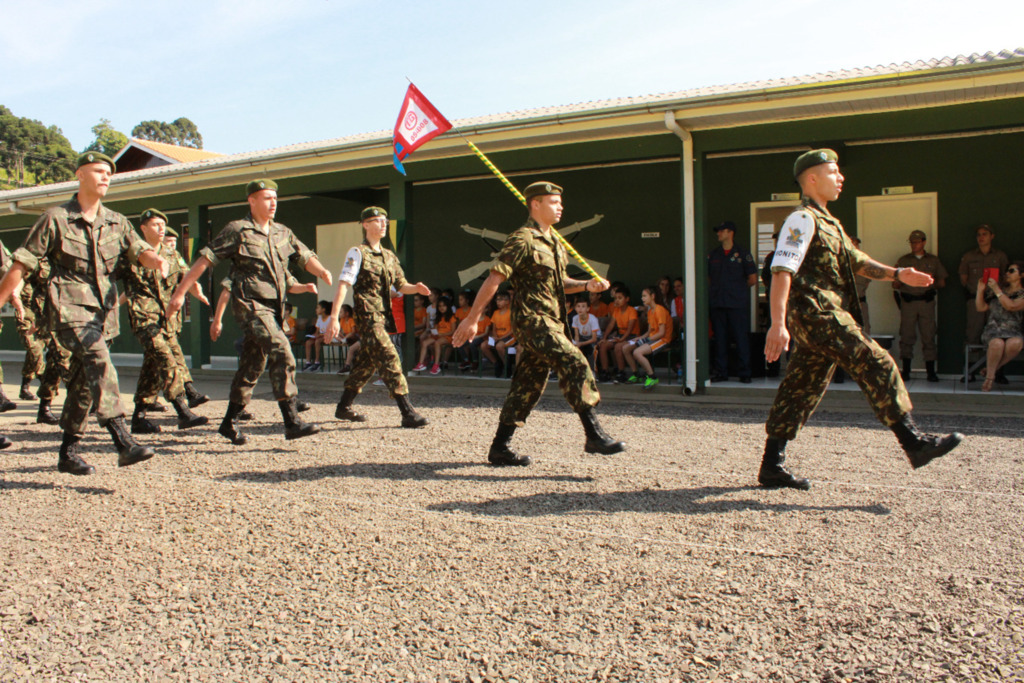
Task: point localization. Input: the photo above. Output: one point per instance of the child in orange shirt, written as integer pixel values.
(440, 337)
(466, 297)
(659, 336)
(598, 308)
(348, 337)
(621, 328)
(501, 335)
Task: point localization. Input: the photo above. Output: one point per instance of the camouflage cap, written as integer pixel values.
(261, 184)
(153, 213)
(540, 188)
(372, 212)
(917, 235)
(813, 158)
(96, 158)
(170, 232)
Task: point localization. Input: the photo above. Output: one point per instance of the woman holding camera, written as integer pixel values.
(1002, 334)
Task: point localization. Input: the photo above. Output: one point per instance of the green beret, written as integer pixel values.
(917, 235)
(813, 158)
(261, 184)
(372, 212)
(153, 213)
(96, 158)
(541, 188)
(170, 231)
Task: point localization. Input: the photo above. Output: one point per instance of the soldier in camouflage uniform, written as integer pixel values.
(33, 300)
(259, 250)
(147, 295)
(814, 299)
(86, 244)
(371, 270)
(533, 261)
(195, 397)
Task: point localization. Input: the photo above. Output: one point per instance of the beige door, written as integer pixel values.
(883, 224)
(332, 244)
(766, 219)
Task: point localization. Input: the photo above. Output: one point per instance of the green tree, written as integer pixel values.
(181, 132)
(108, 140)
(33, 152)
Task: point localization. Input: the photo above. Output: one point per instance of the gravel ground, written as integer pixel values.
(373, 553)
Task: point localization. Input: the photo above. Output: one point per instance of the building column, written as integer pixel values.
(199, 314)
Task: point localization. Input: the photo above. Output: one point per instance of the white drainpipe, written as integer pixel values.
(689, 248)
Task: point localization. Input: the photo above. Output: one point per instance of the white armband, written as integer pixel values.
(794, 239)
(353, 264)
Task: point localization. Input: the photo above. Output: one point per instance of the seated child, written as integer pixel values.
(348, 337)
(316, 340)
(621, 328)
(440, 339)
(466, 297)
(501, 338)
(659, 336)
(586, 330)
(288, 324)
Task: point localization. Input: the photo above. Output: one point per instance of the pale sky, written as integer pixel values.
(266, 73)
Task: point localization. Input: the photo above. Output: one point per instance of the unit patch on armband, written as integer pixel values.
(796, 237)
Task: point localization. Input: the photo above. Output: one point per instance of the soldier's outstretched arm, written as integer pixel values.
(777, 339)
(217, 324)
(467, 329)
(191, 277)
(11, 281)
(334, 323)
(418, 288)
(316, 269)
(908, 276)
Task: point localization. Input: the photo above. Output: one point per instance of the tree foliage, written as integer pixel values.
(181, 132)
(108, 140)
(29, 149)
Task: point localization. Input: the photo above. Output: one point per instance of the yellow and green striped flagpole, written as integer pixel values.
(519, 195)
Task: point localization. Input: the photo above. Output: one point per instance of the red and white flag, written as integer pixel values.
(418, 123)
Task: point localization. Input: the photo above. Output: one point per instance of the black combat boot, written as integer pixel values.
(227, 426)
(905, 372)
(46, 416)
(128, 451)
(929, 368)
(245, 416)
(193, 396)
(156, 407)
(5, 442)
(6, 403)
(410, 418)
(26, 390)
(344, 410)
(69, 461)
(140, 425)
(301, 406)
(923, 448)
(501, 453)
(186, 418)
(597, 440)
(773, 475)
(294, 428)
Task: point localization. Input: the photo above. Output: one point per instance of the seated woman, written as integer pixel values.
(1002, 334)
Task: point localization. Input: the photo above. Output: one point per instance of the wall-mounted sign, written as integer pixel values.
(650, 235)
(898, 189)
(785, 196)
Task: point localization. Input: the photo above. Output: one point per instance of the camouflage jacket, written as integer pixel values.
(259, 264)
(534, 266)
(149, 293)
(825, 281)
(33, 293)
(371, 293)
(84, 259)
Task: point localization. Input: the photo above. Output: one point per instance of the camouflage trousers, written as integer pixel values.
(264, 345)
(92, 379)
(35, 346)
(58, 367)
(543, 347)
(179, 358)
(160, 365)
(822, 343)
(377, 353)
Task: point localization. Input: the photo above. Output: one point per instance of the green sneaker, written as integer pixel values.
(634, 379)
(650, 382)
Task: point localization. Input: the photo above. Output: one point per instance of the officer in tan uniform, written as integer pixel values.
(260, 250)
(814, 303)
(917, 306)
(533, 261)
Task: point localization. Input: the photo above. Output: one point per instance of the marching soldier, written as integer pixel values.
(372, 270)
(194, 396)
(917, 306)
(147, 297)
(814, 298)
(259, 250)
(33, 337)
(86, 244)
(533, 261)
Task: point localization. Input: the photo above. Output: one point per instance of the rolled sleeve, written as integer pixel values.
(223, 246)
(37, 242)
(858, 259)
(511, 254)
(399, 280)
(303, 254)
(135, 246)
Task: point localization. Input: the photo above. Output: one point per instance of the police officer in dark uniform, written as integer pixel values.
(533, 261)
(372, 270)
(731, 274)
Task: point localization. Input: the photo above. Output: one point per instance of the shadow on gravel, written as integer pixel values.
(697, 501)
(425, 471)
(38, 486)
